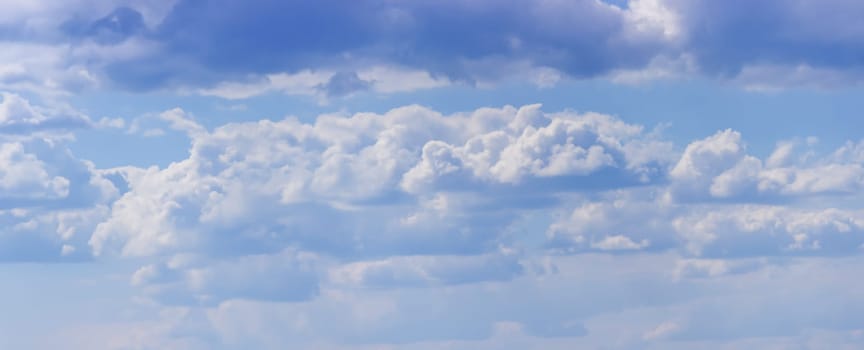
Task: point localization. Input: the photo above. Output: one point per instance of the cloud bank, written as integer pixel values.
(333, 230)
(336, 49)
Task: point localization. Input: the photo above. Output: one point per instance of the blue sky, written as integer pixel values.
(378, 174)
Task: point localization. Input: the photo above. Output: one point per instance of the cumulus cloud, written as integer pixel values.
(414, 198)
(373, 189)
(347, 161)
(50, 202)
(371, 212)
(25, 176)
(18, 116)
(719, 167)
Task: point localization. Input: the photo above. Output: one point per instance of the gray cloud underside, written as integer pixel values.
(199, 44)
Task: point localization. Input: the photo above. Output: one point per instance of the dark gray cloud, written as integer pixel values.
(729, 35)
(232, 38)
(201, 43)
(113, 28)
(345, 83)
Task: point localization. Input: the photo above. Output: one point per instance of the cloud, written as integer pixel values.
(287, 276)
(323, 83)
(619, 242)
(428, 271)
(581, 39)
(552, 307)
(191, 45)
(772, 230)
(414, 198)
(18, 116)
(344, 83)
(265, 39)
(334, 228)
(345, 188)
(49, 202)
(122, 23)
(718, 167)
(727, 37)
(24, 176)
(340, 165)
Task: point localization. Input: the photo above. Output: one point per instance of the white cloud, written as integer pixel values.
(346, 187)
(337, 161)
(337, 227)
(719, 167)
(754, 230)
(414, 182)
(18, 116)
(655, 16)
(25, 177)
(619, 242)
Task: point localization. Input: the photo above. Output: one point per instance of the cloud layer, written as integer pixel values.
(338, 227)
(210, 46)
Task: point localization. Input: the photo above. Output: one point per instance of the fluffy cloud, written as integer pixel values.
(24, 176)
(18, 116)
(718, 201)
(50, 202)
(370, 199)
(343, 165)
(718, 167)
(415, 198)
(293, 223)
(772, 230)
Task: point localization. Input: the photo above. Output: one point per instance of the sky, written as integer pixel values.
(412, 174)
